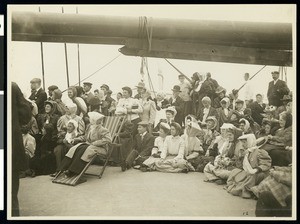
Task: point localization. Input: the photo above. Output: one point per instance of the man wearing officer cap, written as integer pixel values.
(277, 89)
(107, 97)
(38, 95)
(88, 95)
(177, 102)
(143, 143)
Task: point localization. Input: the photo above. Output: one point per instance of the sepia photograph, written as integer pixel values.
(152, 112)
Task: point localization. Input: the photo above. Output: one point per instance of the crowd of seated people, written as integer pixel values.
(235, 142)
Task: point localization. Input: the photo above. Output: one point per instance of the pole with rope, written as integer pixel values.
(42, 58)
(97, 70)
(252, 77)
(78, 56)
(66, 57)
(178, 70)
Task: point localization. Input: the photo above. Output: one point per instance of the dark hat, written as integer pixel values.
(53, 87)
(239, 101)
(141, 85)
(176, 88)
(287, 98)
(143, 123)
(105, 86)
(94, 101)
(220, 89)
(275, 72)
(128, 89)
(36, 80)
(181, 76)
(109, 91)
(87, 83)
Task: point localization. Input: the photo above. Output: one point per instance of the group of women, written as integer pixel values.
(222, 140)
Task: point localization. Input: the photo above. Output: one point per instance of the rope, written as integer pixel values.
(97, 70)
(149, 78)
(252, 77)
(145, 30)
(179, 71)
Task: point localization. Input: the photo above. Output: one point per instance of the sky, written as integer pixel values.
(25, 57)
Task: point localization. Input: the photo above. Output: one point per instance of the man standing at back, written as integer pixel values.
(277, 89)
(185, 88)
(88, 95)
(107, 97)
(38, 95)
(177, 102)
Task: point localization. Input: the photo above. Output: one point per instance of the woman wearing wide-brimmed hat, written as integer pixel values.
(221, 94)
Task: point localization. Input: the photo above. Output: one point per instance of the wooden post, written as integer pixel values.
(42, 58)
(78, 56)
(66, 57)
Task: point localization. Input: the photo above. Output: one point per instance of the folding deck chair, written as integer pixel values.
(114, 124)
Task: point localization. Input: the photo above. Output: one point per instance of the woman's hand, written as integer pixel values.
(253, 171)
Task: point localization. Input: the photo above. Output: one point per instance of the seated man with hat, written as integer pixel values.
(177, 102)
(143, 143)
(88, 95)
(38, 95)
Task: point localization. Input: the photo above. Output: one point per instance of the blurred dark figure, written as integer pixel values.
(21, 115)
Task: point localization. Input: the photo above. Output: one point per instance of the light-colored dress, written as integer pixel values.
(132, 103)
(172, 156)
(149, 111)
(241, 181)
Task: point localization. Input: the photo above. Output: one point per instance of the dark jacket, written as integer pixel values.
(144, 146)
(39, 98)
(164, 104)
(21, 115)
(179, 106)
(256, 111)
(276, 92)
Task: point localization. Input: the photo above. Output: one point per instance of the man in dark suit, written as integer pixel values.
(108, 98)
(257, 108)
(177, 102)
(277, 89)
(88, 95)
(143, 143)
(38, 95)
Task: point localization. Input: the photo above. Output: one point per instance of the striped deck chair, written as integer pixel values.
(114, 124)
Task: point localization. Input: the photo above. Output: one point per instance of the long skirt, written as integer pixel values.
(216, 173)
(74, 164)
(171, 165)
(240, 182)
(44, 165)
(60, 151)
(150, 162)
